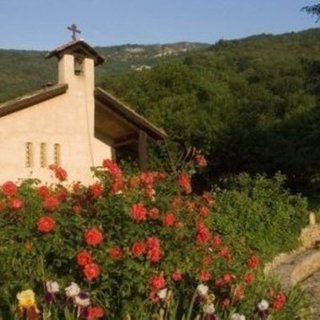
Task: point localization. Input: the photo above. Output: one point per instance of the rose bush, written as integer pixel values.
(127, 247)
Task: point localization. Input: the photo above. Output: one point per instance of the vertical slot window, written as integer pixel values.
(57, 154)
(78, 65)
(43, 155)
(29, 155)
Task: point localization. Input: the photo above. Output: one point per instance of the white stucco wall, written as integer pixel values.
(101, 151)
(67, 120)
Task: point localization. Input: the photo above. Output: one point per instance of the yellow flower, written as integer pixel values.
(26, 298)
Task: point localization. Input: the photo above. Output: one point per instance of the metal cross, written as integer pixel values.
(74, 30)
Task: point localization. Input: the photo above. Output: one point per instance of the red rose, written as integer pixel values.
(177, 276)
(15, 204)
(91, 271)
(228, 277)
(9, 188)
(117, 184)
(43, 192)
(238, 293)
(46, 224)
(200, 225)
(203, 236)
(60, 174)
(216, 241)
(201, 160)
(154, 254)
(204, 212)
(95, 312)
(153, 242)
(249, 277)
(204, 276)
(147, 178)
(138, 248)
(50, 203)
(184, 182)
(96, 189)
(62, 194)
(115, 253)
(225, 253)
(279, 302)
(157, 282)
(138, 212)
(93, 237)
(153, 297)
(169, 219)
(116, 173)
(112, 167)
(253, 262)
(154, 213)
(83, 258)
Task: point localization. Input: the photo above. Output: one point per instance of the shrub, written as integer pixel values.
(125, 247)
(261, 212)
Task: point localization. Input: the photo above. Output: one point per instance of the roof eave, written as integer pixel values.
(60, 51)
(28, 100)
(130, 115)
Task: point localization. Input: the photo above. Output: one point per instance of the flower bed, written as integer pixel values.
(126, 247)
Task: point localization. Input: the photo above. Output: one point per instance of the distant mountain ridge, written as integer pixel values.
(129, 51)
(23, 71)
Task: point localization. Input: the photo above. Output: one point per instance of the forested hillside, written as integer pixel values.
(250, 105)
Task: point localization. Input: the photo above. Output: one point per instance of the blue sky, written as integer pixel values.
(41, 24)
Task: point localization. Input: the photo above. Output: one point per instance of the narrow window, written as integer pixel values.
(29, 155)
(43, 155)
(57, 154)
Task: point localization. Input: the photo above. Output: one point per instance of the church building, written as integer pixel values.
(72, 124)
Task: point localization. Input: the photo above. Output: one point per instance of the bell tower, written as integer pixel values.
(77, 60)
